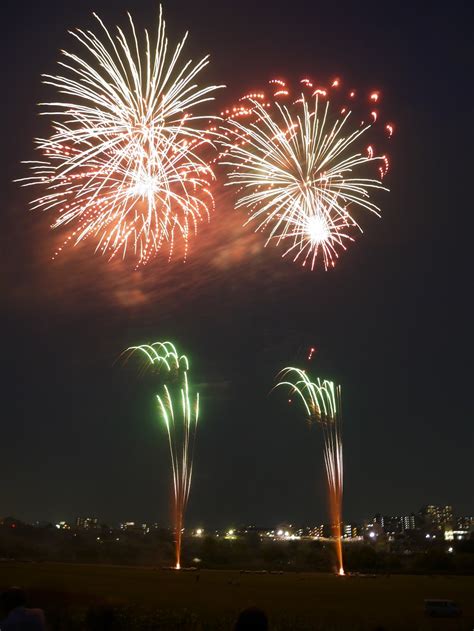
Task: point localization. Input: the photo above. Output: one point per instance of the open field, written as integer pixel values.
(292, 600)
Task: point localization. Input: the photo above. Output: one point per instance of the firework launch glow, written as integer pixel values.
(179, 411)
(303, 167)
(127, 159)
(322, 402)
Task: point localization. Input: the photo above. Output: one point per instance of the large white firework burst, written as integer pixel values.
(126, 160)
(301, 175)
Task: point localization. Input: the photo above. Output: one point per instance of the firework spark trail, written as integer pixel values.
(180, 417)
(126, 160)
(300, 170)
(322, 401)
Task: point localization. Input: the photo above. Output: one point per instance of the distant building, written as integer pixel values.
(373, 528)
(465, 523)
(408, 522)
(457, 535)
(392, 525)
(437, 517)
(350, 531)
(320, 532)
(87, 523)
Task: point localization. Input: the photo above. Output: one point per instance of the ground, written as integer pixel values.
(213, 598)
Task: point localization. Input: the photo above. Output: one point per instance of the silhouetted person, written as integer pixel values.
(17, 617)
(101, 618)
(252, 619)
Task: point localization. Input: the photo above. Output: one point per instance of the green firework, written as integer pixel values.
(178, 408)
(322, 403)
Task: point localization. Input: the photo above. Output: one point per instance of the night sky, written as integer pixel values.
(392, 323)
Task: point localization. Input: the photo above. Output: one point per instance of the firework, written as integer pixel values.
(322, 402)
(179, 411)
(126, 161)
(303, 168)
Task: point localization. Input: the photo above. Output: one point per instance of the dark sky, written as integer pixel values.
(392, 323)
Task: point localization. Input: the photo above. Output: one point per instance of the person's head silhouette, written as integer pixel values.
(253, 619)
(12, 598)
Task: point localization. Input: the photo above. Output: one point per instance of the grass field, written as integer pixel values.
(292, 601)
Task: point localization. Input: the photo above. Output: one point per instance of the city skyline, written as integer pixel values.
(407, 520)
